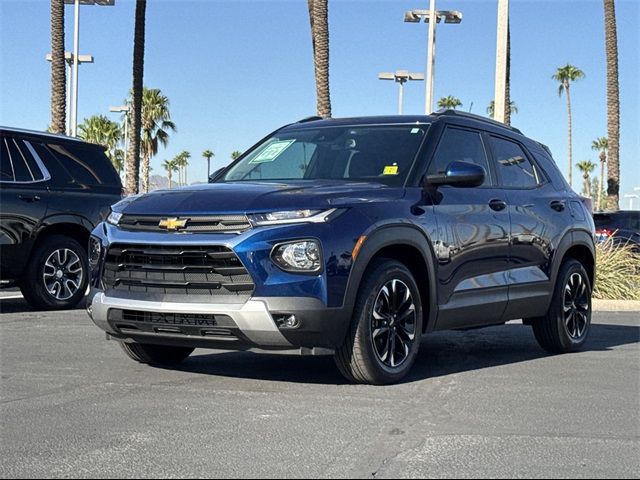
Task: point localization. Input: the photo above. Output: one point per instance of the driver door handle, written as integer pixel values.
(558, 205)
(29, 198)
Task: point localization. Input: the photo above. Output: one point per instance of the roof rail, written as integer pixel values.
(473, 116)
(313, 118)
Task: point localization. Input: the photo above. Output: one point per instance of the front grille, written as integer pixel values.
(195, 224)
(177, 270)
(161, 318)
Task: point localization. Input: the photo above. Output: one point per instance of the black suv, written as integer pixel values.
(352, 237)
(622, 226)
(54, 190)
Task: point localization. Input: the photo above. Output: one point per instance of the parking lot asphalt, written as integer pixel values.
(481, 403)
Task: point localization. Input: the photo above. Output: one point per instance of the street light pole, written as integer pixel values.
(431, 16)
(68, 57)
(76, 55)
(401, 77)
(499, 106)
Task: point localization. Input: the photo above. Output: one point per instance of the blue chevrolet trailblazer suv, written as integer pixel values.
(351, 237)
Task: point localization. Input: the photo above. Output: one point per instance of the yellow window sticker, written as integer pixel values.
(390, 170)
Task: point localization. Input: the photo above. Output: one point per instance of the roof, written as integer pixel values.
(314, 122)
(36, 133)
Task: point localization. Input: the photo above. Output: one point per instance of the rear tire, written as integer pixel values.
(156, 354)
(57, 275)
(386, 327)
(566, 326)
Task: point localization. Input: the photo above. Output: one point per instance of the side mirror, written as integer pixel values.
(214, 176)
(459, 174)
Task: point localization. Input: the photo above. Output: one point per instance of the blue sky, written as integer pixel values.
(235, 70)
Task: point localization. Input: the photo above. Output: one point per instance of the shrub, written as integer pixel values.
(617, 271)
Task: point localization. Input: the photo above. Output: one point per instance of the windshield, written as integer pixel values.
(382, 154)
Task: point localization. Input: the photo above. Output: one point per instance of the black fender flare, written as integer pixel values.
(572, 238)
(381, 236)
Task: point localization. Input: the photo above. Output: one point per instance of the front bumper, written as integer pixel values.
(247, 325)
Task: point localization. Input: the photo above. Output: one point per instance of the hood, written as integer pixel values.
(256, 197)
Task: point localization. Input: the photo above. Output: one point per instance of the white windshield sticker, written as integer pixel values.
(273, 151)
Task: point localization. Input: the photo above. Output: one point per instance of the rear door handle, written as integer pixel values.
(29, 198)
(497, 205)
(558, 205)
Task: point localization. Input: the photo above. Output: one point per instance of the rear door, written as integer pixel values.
(472, 239)
(540, 216)
(23, 204)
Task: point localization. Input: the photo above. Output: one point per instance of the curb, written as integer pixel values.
(600, 305)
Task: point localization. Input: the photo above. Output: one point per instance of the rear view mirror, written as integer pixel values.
(459, 174)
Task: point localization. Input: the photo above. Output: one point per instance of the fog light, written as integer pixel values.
(287, 321)
(95, 250)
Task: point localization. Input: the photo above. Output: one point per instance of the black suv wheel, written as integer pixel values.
(566, 326)
(56, 277)
(156, 354)
(386, 326)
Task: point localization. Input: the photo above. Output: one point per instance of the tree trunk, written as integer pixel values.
(567, 89)
(587, 184)
(319, 21)
(58, 69)
(603, 159)
(613, 106)
(169, 173)
(507, 90)
(145, 172)
(133, 155)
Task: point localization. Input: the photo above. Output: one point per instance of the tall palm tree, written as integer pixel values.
(207, 154)
(449, 102)
(99, 129)
(156, 124)
(319, 21)
(170, 166)
(586, 167)
(513, 108)
(507, 85)
(133, 155)
(58, 70)
(601, 145)
(235, 155)
(613, 105)
(566, 75)
(182, 162)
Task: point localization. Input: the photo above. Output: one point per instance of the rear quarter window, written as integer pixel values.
(88, 165)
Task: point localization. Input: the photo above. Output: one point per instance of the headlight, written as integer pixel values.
(114, 218)
(95, 251)
(291, 216)
(301, 256)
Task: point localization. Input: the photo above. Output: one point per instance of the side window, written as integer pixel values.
(81, 163)
(6, 169)
(458, 145)
(514, 168)
(34, 168)
(21, 170)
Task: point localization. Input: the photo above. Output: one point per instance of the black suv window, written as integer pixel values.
(17, 163)
(514, 167)
(86, 164)
(457, 145)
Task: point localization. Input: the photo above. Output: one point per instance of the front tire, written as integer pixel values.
(386, 327)
(57, 275)
(566, 326)
(156, 354)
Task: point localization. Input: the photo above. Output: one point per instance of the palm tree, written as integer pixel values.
(208, 154)
(586, 167)
(565, 75)
(235, 155)
(170, 166)
(601, 145)
(99, 129)
(319, 21)
(613, 105)
(507, 86)
(58, 68)
(513, 108)
(182, 162)
(133, 155)
(449, 102)
(156, 124)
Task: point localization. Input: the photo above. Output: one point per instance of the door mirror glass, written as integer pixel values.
(459, 174)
